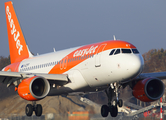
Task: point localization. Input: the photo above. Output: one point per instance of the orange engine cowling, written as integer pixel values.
(149, 89)
(34, 88)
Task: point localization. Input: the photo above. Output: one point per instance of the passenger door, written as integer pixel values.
(98, 55)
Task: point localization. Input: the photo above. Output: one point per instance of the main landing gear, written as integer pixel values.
(113, 101)
(34, 107)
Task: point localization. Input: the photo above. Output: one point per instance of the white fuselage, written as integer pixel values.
(89, 75)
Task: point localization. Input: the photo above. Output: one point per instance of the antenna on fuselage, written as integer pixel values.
(114, 37)
(54, 49)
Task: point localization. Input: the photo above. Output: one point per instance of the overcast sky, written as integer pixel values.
(61, 24)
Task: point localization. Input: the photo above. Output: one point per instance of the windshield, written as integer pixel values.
(123, 51)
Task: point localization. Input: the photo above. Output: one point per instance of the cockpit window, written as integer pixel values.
(123, 51)
(111, 53)
(117, 51)
(135, 51)
(126, 51)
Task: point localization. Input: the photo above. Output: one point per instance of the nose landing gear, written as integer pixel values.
(113, 101)
(34, 107)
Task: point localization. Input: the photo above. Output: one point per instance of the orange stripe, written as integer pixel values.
(79, 55)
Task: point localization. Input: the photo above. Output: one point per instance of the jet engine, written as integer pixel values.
(34, 88)
(149, 89)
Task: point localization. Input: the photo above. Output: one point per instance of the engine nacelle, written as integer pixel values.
(149, 89)
(34, 88)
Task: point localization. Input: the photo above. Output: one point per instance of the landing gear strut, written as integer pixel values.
(34, 107)
(113, 101)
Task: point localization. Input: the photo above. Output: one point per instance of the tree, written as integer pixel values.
(155, 60)
(4, 91)
(4, 61)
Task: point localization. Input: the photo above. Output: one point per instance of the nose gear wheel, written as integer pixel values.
(104, 110)
(113, 101)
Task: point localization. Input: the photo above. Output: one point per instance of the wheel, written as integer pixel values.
(38, 110)
(120, 102)
(104, 110)
(114, 111)
(114, 102)
(29, 110)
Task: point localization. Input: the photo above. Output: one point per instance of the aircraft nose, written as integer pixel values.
(136, 65)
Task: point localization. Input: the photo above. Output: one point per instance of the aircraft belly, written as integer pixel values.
(76, 83)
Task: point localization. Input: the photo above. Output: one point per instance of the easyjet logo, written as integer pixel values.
(14, 32)
(85, 51)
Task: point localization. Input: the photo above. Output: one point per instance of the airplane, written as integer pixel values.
(105, 66)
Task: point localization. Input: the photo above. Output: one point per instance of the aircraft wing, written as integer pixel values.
(160, 75)
(10, 77)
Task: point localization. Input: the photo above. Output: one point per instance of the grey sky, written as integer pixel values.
(61, 24)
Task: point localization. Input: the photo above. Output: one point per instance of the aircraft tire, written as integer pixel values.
(104, 110)
(114, 111)
(120, 102)
(38, 110)
(29, 110)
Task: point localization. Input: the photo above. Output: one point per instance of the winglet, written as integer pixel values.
(17, 45)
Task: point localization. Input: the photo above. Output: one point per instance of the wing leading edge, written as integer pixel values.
(9, 78)
(160, 75)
